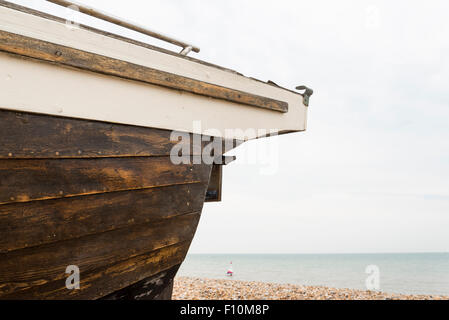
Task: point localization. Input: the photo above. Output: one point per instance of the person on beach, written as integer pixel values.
(230, 272)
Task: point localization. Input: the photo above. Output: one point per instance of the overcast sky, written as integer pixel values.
(371, 174)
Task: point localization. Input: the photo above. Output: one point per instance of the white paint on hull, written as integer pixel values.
(39, 87)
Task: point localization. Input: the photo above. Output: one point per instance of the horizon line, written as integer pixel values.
(317, 253)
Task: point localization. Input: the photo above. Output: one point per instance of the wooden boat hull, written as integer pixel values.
(103, 197)
(86, 177)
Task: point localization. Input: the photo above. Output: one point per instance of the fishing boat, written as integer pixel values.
(105, 153)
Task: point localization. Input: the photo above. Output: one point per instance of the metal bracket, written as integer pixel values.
(185, 51)
(307, 94)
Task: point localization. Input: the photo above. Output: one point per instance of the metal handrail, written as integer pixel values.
(186, 48)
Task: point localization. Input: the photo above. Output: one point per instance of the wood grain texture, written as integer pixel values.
(57, 54)
(120, 210)
(29, 180)
(27, 135)
(28, 268)
(156, 287)
(101, 282)
(35, 136)
(31, 224)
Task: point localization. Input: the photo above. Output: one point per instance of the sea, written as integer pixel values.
(405, 273)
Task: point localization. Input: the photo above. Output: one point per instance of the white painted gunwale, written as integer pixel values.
(39, 87)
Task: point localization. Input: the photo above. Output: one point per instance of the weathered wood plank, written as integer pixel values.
(28, 180)
(156, 287)
(33, 136)
(31, 224)
(101, 282)
(27, 268)
(42, 50)
(26, 135)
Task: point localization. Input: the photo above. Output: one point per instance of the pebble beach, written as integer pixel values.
(209, 289)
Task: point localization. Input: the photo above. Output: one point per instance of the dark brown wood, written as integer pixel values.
(31, 224)
(49, 52)
(121, 219)
(22, 137)
(214, 189)
(101, 282)
(28, 180)
(44, 264)
(121, 210)
(165, 294)
(157, 287)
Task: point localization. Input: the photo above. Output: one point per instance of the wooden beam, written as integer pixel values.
(31, 224)
(34, 136)
(43, 179)
(58, 54)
